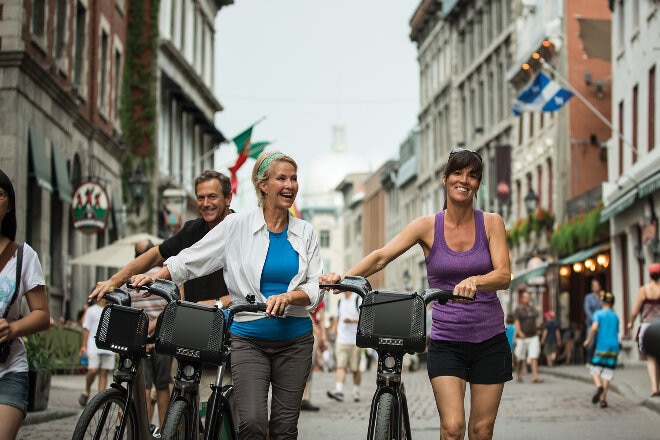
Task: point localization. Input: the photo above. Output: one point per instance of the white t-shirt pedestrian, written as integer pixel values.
(91, 324)
(348, 308)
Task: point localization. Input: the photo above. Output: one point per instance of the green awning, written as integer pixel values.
(529, 274)
(618, 206)
(585, 253)
(39, 160)
(649, 185)
(62, 175)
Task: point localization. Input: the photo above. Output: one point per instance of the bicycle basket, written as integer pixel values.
(123, 330)
(392, 320)
(191, 331)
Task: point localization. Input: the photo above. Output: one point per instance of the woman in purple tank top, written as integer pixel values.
(466, 251)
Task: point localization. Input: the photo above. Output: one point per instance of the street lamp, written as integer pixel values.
(138, 186)
(531, 202)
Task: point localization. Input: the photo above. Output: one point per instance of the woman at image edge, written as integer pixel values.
(274, 255)
(14, 372)
(466, 251)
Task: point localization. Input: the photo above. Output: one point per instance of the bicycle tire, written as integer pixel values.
(111, 402)
(385, 425)
(177, 423)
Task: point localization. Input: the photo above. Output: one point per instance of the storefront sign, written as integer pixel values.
(90, 208)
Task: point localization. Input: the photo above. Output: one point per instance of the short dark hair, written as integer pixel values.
(8, 228)
(143, 246)
(225, 183)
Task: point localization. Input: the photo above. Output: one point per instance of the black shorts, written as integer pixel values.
(158, 370)
(488, 362)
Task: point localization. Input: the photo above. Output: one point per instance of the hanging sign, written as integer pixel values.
(90, 208)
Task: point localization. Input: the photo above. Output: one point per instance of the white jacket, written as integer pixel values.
(239, 245)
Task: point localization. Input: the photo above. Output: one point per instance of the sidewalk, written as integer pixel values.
(630, 381)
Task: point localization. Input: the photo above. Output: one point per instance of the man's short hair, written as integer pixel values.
(143, 246)
(225, 183)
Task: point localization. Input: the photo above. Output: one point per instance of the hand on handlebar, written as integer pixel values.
(467, 287)
(139, 280)
(330, 278)
(276, 304)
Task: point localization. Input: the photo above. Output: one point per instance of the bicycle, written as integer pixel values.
(382, 328)
(195, 335)
(120, 411)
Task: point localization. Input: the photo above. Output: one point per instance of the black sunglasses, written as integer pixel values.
(460, 150)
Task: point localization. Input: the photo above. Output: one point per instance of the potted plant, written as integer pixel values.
(40, 358)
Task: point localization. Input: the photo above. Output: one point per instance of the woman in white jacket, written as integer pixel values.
(275, 256)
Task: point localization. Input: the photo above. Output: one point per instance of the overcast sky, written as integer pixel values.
(305, 65)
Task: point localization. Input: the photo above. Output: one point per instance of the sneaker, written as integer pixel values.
(337, 395)
(596, 396)
(306, 405)
(356, 395)
(82, 400)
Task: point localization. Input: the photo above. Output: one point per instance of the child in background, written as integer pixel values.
(605, 331)
(550, 338)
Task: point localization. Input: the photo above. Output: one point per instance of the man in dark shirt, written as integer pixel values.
(528, 346)
(213, 192)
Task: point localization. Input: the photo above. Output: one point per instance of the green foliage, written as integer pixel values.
(578, 232)
(40, 354)
(139, 95)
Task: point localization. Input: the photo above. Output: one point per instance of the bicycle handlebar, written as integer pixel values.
(361, 286)
(166, 289)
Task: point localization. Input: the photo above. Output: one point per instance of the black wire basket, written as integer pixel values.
(123, 330)
(392, 320)
(191, 332)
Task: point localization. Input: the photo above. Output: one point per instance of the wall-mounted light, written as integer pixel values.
(639, 253)
(564, 271)
(603, 260)
(138, 184)
(577, 267)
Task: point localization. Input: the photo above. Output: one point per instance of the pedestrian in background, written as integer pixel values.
(22, 277)
(591, 305)
(157, 367)
(528, 345)
(100, 363)
(647, 306)
(347, 353)
(605, 332)
(550, 338)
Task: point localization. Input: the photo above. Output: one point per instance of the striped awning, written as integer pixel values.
(649, 185)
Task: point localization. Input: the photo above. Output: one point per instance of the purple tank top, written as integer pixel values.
(473, 322)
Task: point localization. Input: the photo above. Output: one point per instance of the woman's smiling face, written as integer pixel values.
(281, 187)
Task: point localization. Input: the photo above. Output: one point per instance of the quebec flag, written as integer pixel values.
(542, 95)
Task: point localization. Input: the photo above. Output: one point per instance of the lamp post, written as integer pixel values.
(138, 186)
(531, 203)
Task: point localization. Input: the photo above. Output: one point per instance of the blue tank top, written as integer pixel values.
(475, 321)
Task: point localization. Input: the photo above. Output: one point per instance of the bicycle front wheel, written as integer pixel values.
(222, 416)
(385, 423)
(178, 422)
(103, 415)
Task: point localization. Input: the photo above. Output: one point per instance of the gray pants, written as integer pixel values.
(258, 365)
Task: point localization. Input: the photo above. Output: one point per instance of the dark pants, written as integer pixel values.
(258, 365)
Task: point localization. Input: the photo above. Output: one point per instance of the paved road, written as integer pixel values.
(558, 408)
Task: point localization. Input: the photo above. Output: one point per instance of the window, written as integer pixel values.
(79, 51)
(117, 83)
(324, 238)
(103, 73)
(39, 18)
(635, 99)
(651, 117)
(60, 28)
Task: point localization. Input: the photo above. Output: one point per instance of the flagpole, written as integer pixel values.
(588, 104)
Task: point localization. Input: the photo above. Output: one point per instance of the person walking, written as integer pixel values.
(591, 305)
(605, 332)
(269, 253)
(23, 277)
(528, 346)
(647, 306)
(157, 366)
(347, 353)
(465, 251)
(100, 363)
(550, 338)
(213, 193)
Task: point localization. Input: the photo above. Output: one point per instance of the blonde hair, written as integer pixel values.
(262, 170)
